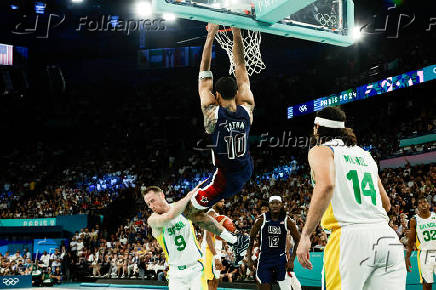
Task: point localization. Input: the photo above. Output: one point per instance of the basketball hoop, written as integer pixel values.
(252, 55)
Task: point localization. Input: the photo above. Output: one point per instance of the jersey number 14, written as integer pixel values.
(366, 186)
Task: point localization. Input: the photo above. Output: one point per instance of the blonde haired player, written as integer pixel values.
(362, 252)
(212, 247)
(176, 236)
(423, 235)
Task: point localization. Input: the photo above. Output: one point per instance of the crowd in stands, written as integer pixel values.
(28, 192)
(46, 271)
(131, 251)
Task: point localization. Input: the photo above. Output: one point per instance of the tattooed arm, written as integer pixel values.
(205, 82)
(203, 220)
(244, 96)
(210, 114)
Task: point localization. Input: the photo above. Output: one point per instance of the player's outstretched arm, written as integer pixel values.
(205, 78)
(244, 95)
(410, 243)
(160, 220)
(205, 81)
(322, 163)
(253, 234)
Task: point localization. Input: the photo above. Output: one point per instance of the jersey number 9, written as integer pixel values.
(180, 243)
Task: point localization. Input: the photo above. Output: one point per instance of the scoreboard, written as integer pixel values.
(363, 92)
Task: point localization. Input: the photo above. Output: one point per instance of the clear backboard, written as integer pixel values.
(326, 21)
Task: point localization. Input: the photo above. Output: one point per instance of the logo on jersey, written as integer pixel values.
(426, 226)
(274, 230)
(177, 227)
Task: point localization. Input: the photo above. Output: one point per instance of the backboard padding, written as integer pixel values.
(222, 12)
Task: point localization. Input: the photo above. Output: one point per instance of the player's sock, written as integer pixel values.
(228, 237)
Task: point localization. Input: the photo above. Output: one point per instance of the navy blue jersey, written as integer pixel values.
(230, 139)
(273, 237)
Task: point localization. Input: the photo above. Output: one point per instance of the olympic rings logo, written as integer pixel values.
(326, 19)
(10, 281)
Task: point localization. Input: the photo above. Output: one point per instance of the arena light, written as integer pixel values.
(76, 1)
(169, 16)
(40, 7)
(114, 20)
(357, 33)
(14, 7)
(143, 9)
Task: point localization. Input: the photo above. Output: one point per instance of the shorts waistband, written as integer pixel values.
(184, 267)
(369, 225)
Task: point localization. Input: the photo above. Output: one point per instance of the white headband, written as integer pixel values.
(329, 123)
(275, 197)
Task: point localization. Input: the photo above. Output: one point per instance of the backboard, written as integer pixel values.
(326, 21)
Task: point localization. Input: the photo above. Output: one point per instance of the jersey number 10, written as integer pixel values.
(235, 145)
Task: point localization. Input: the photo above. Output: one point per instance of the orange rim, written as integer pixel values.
(222, 30)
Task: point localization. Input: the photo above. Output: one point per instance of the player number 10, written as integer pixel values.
(235, 145)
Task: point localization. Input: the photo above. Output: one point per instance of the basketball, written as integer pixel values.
(226, 222)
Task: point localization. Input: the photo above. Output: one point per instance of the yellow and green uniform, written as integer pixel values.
(426, 246)
(183, 254)
(209, 259)
(357, 219)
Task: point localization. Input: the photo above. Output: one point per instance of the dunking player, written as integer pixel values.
(273, 263)
(227, 118)
(423, 235)
(211, 247)
(176, 236)
(363, 252)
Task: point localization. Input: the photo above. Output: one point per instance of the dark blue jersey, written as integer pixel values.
(230, 139)
(273, 237)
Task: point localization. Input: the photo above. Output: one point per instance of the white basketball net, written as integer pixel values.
(252, 56)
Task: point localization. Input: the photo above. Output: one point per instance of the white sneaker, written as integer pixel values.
(296, 285)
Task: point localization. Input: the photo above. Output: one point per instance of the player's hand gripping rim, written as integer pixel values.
(303, 252)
